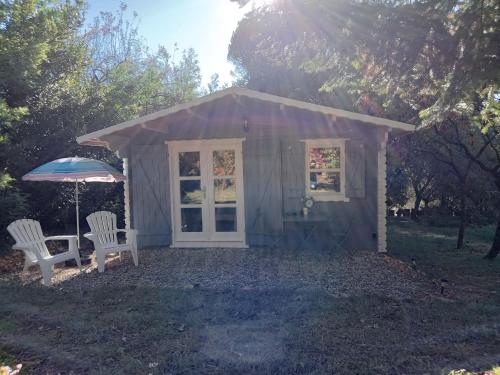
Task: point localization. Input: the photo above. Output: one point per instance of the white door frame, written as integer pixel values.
(208, 237)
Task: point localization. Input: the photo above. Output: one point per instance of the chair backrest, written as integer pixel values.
(29, 236)
(103, 225)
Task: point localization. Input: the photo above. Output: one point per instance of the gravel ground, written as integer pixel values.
(248, 269)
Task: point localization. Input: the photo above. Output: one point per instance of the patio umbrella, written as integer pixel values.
(75, 170)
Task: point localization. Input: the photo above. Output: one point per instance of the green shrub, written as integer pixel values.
(13, 206)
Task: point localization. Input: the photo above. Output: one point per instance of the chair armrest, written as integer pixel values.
(19, 247)
(60, 238)
(72, 241)
(131, 231)
(131, 235)
(128, 232)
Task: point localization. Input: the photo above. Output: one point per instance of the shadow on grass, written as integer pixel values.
(116, 329)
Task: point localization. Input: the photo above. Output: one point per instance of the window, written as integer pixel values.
(325, 169)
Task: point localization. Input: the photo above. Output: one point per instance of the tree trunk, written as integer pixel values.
(416, 206)
(495, 246)
(463, 223)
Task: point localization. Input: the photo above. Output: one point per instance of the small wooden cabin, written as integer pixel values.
(242, 168)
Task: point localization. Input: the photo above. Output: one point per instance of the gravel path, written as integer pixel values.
(341, 275)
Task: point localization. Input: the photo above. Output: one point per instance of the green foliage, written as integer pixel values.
(59, 81)
(126, 79)
(397, 186)
(392, 57)
(13, 205)
(215, 85)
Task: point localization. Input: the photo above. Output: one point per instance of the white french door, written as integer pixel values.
(207, 193)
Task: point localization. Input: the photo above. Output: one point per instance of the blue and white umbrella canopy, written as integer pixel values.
(75, 170)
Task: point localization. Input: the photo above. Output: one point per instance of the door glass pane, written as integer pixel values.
(191, 192)
(189, 163)
(224, 162)
(191, 220)
(225, 190)
(325, 181)
(225, 219)
(324, 158)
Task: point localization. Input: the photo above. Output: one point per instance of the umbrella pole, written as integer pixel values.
(77, 215)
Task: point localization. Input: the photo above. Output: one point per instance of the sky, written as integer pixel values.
(205, 25)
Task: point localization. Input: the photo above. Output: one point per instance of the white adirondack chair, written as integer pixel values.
(104, 235)
(30, 239)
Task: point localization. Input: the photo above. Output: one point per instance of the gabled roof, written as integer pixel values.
(93, 138)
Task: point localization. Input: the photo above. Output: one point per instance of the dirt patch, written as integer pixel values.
(12, 262)
(255, 341)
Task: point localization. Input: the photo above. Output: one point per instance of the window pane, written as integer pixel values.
(189, 163)
(324, 157)
(225, 219)
(191, 192)
(225, 190)
(224, 163)
(325, 181)
(191, 220)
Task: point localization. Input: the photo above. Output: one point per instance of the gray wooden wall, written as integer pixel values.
(274, 174)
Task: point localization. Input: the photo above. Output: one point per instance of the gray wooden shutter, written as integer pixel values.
(293, 175)
(150, 195)
(262, 171)
(355, 169)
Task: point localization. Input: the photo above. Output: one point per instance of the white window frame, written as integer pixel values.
(208, 237)
(327, 196)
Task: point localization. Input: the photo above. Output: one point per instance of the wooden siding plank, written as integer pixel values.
(262, 175)
(293, 175)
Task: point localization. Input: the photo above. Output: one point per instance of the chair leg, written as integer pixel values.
(101, 259)
(135, 257)
(78, 261)
(73, 248)
(46, 273)
(27, 264)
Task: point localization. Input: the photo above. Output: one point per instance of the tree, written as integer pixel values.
(397, 184)
(126, 79)
(479, 145)
(215, 85)
(41, 56)
(418, 167)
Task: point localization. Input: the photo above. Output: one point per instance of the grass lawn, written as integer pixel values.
(115, 328)
(434, 252)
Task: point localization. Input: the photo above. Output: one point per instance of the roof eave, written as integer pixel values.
(94, 138)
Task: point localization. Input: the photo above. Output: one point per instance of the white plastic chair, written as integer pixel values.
(104, 235)
(30, 239)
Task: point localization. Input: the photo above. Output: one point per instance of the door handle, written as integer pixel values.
(204, 190)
